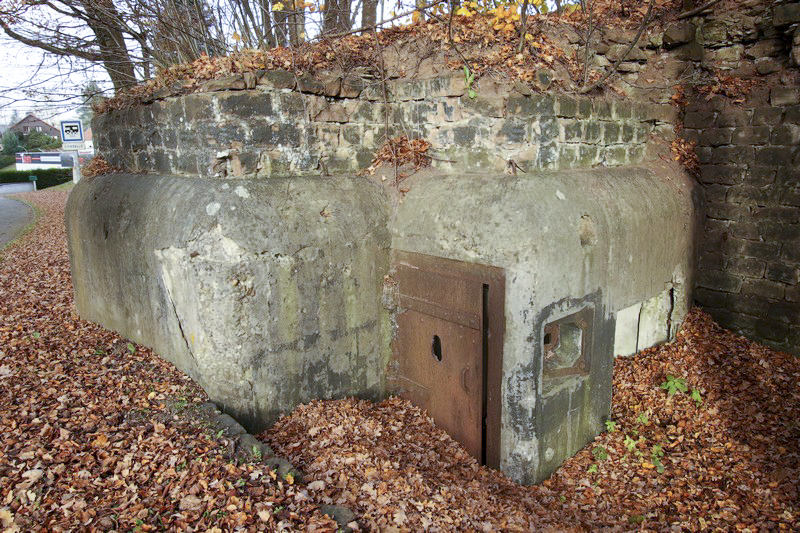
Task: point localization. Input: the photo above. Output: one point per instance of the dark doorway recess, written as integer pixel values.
(449, 346)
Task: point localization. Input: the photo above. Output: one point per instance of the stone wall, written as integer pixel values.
(750, 169)
(273, 130)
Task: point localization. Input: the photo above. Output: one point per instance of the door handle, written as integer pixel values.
(464, 373)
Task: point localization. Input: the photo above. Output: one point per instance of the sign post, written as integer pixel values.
(72, 140)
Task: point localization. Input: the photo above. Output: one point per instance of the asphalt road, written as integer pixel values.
(14, 215)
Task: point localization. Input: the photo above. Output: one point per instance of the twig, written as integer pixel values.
(695, 11)
(385, 101)
(622, 58)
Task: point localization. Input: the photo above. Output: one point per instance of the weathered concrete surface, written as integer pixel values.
(271, 292)
(268, 293)
(14, 216)
(601, 239)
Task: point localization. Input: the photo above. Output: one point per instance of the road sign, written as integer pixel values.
(72, 131)
(71, 146)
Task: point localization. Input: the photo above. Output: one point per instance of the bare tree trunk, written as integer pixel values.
(369, 14)
(103, 19)
(337, 17)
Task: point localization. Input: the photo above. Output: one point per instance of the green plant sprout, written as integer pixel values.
(592, 468)
(673, 385)
(131, 348)
(610, 426)
(643, 419)
(696, 397)
(469, 79)
(600, 453)
(630, 444)
(655, 455)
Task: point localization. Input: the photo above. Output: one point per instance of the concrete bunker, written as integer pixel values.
(495, 300)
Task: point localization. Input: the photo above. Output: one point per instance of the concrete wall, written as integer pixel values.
(267, 293)
(601, 239)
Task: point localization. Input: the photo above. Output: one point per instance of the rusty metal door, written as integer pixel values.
(443, 346)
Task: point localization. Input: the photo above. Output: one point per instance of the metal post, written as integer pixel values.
(76, 167)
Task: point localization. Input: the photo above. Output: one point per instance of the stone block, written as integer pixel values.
(704, 154)
(783, 273)
(750, 135)
(754, 196)
(763, 288)
(611, 132)
(715, 136)
(678, 33)
(726, 211)
(626, 332)
(760, 175)
(786, 135)
(712, 261)
(513, 131)
(769, 65)
(748, 248)
(567, 106)
(726, 57)
(588, 155)
(766, 48)
(739, 322)
(786, 215)
(744, 230)
(719, 280)
(734, 117)
(784, 96)
(548, 130)
(536, 105)
(593, 131)
(654, 320)
(772, 330)
(266, 134)
(692, 51)
(715, 33)
(617, 52)
(548, 156)
(791, 197)
(278, 79)
(786, 14)
(757, 306)
(628, 132)
(746, 266)
(792, 294)
(774, 156)
(733, 155)
(792, 115)
(710, 297)
(768, 116)
(621, 110)
(573, 130)
(778, 232)
(615, 155)
(601, 109)
(791, 254)
(699, 119)
(715, 192)
(568, 155)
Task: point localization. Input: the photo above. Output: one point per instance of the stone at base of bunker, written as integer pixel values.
(270, 293)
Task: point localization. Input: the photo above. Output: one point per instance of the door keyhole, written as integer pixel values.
(436, 348)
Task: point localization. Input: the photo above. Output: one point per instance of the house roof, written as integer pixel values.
(31, 118)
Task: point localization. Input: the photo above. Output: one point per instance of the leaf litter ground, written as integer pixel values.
(97, 434)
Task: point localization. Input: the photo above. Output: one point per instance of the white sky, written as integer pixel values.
(34, 81)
